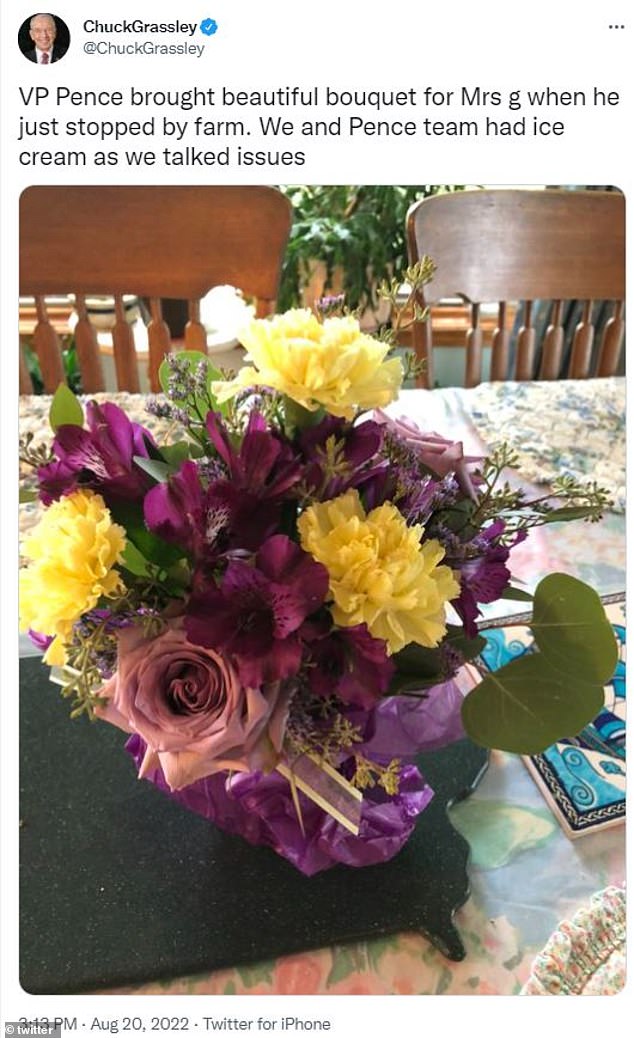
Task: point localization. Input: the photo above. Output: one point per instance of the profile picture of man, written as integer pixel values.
(43, 38)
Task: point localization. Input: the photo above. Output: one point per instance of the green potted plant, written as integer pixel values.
(348, 238)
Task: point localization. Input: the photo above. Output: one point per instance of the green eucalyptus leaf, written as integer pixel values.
(158, 470)
(516, 594)
(65, 409)
(572, 630)
(527, 705)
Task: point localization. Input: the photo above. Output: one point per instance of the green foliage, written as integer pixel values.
(527, 705)
(134, 561)
(186, 379)
(151, 548)
(65, 409)
(566, 500)
(360, 229)
(69, 361)
(516, 594)
(551, 694)
(158, 470)
(571, 629)
(196, 403)
(418, 668)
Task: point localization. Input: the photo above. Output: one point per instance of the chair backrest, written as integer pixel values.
(154, 242)
(520, 245)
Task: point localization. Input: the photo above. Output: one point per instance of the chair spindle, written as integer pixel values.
(525, 346)
(552, 346)
(500, 347)
(473, 374)
(125, 359)
(88, 355)
(159, 341)
(582, 344)
(195, 334)
(48, 348)
(611, 341)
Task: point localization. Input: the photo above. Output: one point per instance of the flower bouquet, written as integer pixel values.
(278, 605)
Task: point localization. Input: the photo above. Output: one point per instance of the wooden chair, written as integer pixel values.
(502, 246)
(154, 242)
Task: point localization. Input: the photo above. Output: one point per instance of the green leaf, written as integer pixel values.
(298, 417)
(176, 453)
(527, 705)
(158, 470)
(567, 514)
(130, 516)
(26, 495)
(515, 594)
(421, 668)
(65, 409)
(416, 667)
(469, 647)
(134, 561)
(572, 630)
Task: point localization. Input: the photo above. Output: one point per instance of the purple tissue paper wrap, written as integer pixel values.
(259, 807)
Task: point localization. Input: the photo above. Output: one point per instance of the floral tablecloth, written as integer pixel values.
(584, 436)
(526, 876)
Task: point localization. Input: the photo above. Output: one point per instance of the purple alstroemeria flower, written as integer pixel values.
(485, 576)
(209, 521)
(40, 641)
(100, 457)
(236, 510)
(339, 455)
(177, 510)
(348, 662)
(255, 615)
(264, 465)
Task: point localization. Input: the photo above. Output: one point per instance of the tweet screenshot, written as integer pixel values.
(313, 517)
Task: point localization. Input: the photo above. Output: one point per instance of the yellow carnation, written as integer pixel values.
(380, 572)
(71, 553)
(333, 365)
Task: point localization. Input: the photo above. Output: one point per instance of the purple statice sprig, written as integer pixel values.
(158, 407)
(266, 401)
(93, 650)
(330, 306)
(419, 500)
(186, 379)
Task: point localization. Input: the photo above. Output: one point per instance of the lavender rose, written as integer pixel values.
(187, 704)
(440, 455)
